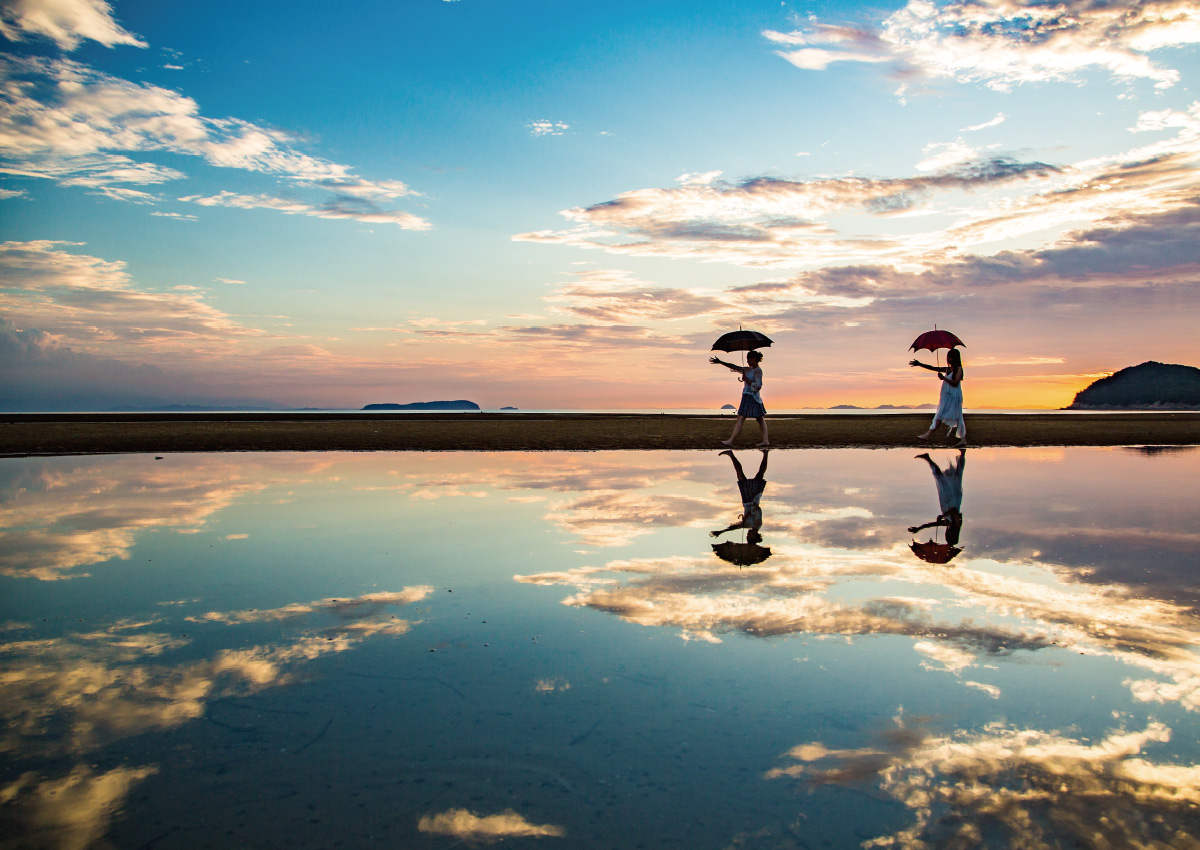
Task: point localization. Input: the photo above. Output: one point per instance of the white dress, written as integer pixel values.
(950, 405)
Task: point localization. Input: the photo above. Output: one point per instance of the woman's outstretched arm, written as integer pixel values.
(927, 366)
(732, 366)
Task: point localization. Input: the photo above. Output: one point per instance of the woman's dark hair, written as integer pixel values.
(954, 358)
(757, 355)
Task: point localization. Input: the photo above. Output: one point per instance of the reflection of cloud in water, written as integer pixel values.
(705, 598)
(1005, 787)
(95, 686)
(616, 519)
(68, 696)
(465, 826)
(788, 595)
(358, 607)
(73, 812)
(58, 517)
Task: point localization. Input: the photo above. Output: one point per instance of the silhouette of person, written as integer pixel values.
(949, 483)
(950, 401)
(750, 490)
(751, 406)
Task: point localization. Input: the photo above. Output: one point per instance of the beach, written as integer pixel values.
(103, 433)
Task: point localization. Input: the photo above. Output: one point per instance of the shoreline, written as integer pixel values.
(45, 434)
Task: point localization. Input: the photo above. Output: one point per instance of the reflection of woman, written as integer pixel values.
(950, 402)
(752, 403)
(750, 490)
(950, 495)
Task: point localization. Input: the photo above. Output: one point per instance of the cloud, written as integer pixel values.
(999, 119)
(6, 194)
(1002, 44)
(771, 220)
(1020, 787)
(487, 829)
(64, 121)
(352, 208)
(545, 127)
(68, 23)
(83, 300)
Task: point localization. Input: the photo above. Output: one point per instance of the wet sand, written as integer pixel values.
(59, 434)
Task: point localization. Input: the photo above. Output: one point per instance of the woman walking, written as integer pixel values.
(752, 403)
(950, 402)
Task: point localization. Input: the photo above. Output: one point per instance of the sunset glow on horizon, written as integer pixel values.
(561, 207)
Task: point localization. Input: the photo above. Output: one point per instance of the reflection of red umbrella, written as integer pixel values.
(742, 554)
(935, 339)
(934, 553)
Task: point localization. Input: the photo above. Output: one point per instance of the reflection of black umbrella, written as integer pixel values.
(742, 554)
(741, 341)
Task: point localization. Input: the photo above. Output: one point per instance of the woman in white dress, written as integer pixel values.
(950, 403)
(752, 404)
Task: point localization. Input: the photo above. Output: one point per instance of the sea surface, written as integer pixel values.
(854, 648)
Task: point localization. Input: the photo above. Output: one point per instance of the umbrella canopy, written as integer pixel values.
(741, 341)
(742, 554)
(935, 339)
(934, 553)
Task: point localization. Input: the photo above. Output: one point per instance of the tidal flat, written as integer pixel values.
(614, 649)
(93, 433)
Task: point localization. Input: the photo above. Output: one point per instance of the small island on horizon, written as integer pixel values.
(1147, 386)
(459, 404)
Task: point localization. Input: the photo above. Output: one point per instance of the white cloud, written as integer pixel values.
(64, 121)
(999, 119)
(6, 194)
(341, 208)
(65, 22)
(1002, 43)
(547, 128)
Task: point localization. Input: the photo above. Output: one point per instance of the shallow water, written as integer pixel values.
(417, 650)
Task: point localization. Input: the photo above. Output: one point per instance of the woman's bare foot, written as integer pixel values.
(727, 443)
(726, 452)
(961, 444)
(763, 446)
(924, 436)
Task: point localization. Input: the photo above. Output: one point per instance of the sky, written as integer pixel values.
(561, 205)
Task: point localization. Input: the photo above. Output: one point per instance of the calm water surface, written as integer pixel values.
(601, 650)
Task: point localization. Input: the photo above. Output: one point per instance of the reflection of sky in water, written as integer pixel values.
(323, 648)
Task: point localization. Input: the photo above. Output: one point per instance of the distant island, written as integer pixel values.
(508, 408)
(460, 404)
(885, 407)
(728, 407)
(1150, 385)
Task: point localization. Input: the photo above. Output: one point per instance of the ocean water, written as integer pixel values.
(601, 650)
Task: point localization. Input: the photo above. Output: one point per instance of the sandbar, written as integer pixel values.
(154, 433)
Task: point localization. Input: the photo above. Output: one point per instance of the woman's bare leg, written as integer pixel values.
(962, 432)
(737, 429)
(762, 423)
(929, 433)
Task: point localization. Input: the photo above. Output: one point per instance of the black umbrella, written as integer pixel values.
(741, 341)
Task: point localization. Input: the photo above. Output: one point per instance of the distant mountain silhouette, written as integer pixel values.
(728, 407)
(460, 404)
(1153, 385)
(885, 407)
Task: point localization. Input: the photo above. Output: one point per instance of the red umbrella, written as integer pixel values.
(934, 553)
(935, 339)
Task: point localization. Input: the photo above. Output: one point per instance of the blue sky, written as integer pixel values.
(559, 205)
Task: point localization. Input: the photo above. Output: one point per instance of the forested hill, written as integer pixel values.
(1162, 386)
